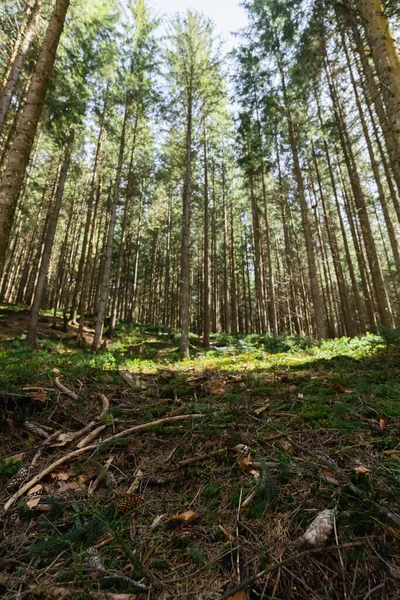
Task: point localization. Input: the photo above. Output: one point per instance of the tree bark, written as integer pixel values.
(48, 246)
(21, 148)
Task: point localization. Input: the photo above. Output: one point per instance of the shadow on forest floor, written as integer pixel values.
(319, 425)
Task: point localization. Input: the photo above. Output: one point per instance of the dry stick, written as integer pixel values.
(189, 461)
(287, 561)
(67, 438)
(91, 436)
(75, 453)
(65, 390)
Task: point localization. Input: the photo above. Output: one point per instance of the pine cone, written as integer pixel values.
(18, 478)
(320, 529)
(376, 429)
(129, 503)
(37, 431)
(93, 564)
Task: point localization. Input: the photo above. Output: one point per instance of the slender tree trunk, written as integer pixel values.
(105, 281)
(185, 251)
(21, 148)
(206, 261)
(48, 246)
(312, 268)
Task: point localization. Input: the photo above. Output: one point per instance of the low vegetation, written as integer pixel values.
(192, 507)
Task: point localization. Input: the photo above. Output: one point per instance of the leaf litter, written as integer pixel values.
(191, 508)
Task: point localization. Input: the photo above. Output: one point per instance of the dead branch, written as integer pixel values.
(287, 561)
(67, 457)
(194, 459)
(65, 390)
(91, 436)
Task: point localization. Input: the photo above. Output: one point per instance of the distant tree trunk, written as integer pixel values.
(386, 57)
(17, 62)
(372, 256)
(185, 250)
(21, 148)
(48, 247)
(105, 280)
(206, 261)
(312, 267)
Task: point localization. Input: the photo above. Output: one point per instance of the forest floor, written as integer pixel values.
(251, 440)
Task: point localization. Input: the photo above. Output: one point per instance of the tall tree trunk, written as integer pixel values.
(386, 57)
(185, 250)
(16, 65)
(312, 268)
(206, 261)
(48, 246)
(105, 281)
(24, 137)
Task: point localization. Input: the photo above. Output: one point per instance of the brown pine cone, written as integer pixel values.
(129, 503)
(38, 431)
(18, 478)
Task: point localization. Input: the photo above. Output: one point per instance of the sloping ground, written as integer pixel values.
(190, 507)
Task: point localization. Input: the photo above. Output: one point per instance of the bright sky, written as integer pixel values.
(227, 14)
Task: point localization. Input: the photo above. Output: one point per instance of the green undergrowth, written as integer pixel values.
(337, 398)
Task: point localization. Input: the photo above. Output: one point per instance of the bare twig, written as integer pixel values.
(65, 390)
(91, 436)
(194, 459)
(68, 457)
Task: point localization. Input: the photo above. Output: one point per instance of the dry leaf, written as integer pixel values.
(293, 389)
(71, 485)
(395, 453)
(300, 396)
(184, 517)
(383, 421)
(259, 411)
(219, 388)
(55, 371)
(361, 469)
(330, 476)
(40, 396)
(239, 596)
(60, 475)
(339, 388)
(137, 478)
(15, 458)
(34, 496)
(157, 521)
(244, 461)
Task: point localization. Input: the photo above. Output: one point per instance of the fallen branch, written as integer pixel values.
(287, 561)
(91, 436)
(65, 390)
(189, 461)
(67, 457)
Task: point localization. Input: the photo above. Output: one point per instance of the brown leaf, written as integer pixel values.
(361, 469)
(40, 396)
(330, 476)
(219, 388)
(184, 517)
(383, 421)
(259, 411)
(239, 596)
(339, 388)
(34, 494)
(293, 389)
(60, 475)
(71, 485)
(15, 458)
